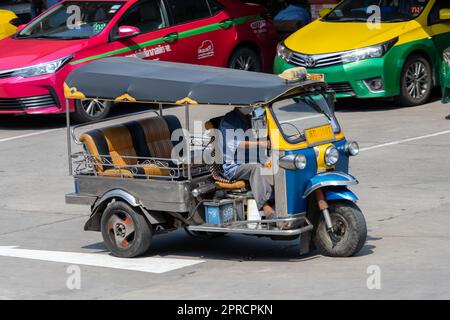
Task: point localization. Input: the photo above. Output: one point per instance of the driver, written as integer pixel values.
(232, 124)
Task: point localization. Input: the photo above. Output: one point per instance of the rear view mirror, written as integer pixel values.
(21, 27)
(444, 14)
(127, 32)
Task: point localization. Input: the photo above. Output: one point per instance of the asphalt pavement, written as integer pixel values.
(404, 193)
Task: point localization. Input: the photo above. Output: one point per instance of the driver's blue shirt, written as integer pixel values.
(233, 121)
(293, 12)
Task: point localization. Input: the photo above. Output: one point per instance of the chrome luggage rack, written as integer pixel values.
(172, 169)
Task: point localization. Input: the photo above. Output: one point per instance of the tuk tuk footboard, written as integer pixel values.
(273, 227)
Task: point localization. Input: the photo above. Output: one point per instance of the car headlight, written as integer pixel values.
(283, 52)
(293, 162)
(331, 156)
(41, 69)
(376, 51)
(447, 57)
(352, 148)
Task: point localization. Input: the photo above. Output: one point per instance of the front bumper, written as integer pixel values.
(35, 95)
(348, 79)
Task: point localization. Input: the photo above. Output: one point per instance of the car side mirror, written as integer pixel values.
(324, 12)
(21, 27)
(126, 32)
(444, 14)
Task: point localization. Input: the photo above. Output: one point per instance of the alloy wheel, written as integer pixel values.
(94, 107)
(244, 62)
(417, 80)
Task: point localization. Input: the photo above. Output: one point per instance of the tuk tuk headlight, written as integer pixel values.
(331, 156)
(293, 162)
(283, 52)
(352, 148)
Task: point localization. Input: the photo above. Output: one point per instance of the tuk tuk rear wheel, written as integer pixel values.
(125, 231)
(349, 231)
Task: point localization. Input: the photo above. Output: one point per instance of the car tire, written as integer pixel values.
(88, 110)
(416, 82)
(125, 231)
(245, 59)
(349, 234)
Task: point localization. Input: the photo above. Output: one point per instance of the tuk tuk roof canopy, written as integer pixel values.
(137, 80)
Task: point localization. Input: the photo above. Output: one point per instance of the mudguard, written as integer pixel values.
(332, 179)
(93, 223)
(341, 193)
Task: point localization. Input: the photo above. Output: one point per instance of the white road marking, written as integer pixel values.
(28, 135)
(152, 265)
(406, 140)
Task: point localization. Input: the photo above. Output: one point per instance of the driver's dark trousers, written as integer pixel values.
(261, 184)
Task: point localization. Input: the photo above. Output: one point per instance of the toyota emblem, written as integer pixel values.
(310, 62)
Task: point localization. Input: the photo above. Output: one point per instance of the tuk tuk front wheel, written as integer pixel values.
(125, 231)
(349, 231)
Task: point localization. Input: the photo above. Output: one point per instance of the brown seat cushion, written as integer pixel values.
(121, 150)
(157, 136)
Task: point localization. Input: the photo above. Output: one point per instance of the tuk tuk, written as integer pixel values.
(151, 176)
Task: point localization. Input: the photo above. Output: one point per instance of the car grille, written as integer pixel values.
(315, 61)
(341, 87)
(27, 102)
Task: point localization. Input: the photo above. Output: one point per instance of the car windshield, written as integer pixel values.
(367, 10)
(296, 115)
(72, 20)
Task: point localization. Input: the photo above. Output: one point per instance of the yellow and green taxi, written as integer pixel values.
(445, 79)
(373, 49)
(8, 23)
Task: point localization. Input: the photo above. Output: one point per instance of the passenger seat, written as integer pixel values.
(123, 150)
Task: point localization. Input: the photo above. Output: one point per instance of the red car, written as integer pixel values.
(35, 62)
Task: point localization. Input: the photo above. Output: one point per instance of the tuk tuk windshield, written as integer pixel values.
(295, 115)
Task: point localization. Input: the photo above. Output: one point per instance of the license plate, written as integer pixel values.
(316, 77)
(319, 134)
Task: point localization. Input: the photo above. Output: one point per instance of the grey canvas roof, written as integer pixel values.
(168, 82)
